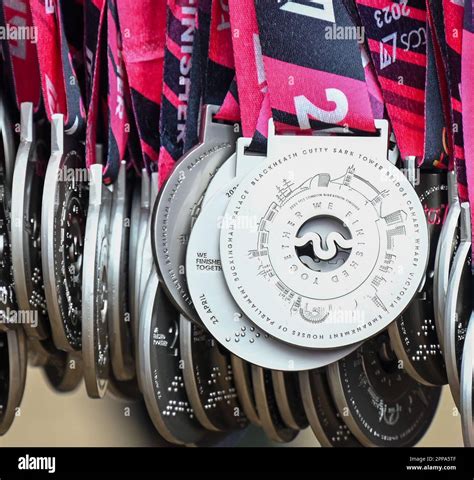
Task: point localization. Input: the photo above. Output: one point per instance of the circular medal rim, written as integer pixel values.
(161, 204)
(443, 265)
(455, 276)
(421, 270)
(121, 355)
(97, 222)
(19, 247)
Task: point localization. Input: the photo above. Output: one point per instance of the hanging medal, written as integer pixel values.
(21, 278)
(181, 195)
(320, 297)
(212, 298)
(64, 203)
(140, 63)
(458, 304)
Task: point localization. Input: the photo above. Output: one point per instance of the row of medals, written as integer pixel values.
(315, 286)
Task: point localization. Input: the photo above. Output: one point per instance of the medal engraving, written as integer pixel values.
(324, 244)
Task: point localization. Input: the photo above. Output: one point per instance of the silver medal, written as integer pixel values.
(63, 223)
(380, 403)
(161, 373)
(458, 304)
(120, 329)
(179, 203)
(95, 333)
(314, 240)
(467, 384)
(447, 244)
(213, 300)
(27, 193)
(208, 379)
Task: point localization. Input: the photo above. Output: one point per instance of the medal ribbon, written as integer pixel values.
(59, 81)
(315, 80)
(118, 90)
(97, 35)
(142, 27)
(396, 37)
(453, 29)
(177, 81)
(180, 31)
(20, 54)
(198, 72)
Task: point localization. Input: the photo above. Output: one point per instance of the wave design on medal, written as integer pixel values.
(333, 240)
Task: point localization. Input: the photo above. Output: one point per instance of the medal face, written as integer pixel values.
(120, 328)
(63, 223)
(414, 336)
(161, 374)
(243, 384)
(267, 407)
(467, 376)
(326, 423)
(387, 408)
(288, 398)
(27, 193)
(13, 361)
(314, 243)
(217, 308)
(458, 305)
(209, 380)
(179, 203)
(447, 244)
(95, 334)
